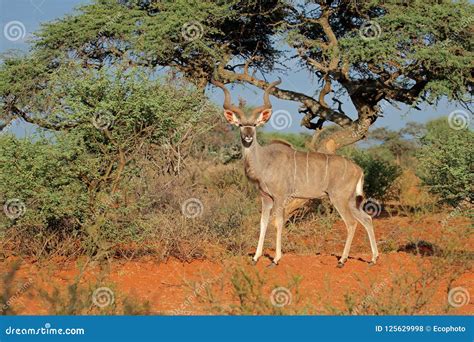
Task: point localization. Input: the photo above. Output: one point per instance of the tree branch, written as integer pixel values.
(313, 106)
(41, 122)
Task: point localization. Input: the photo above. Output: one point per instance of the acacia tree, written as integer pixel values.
(393, 141)
(362, 52)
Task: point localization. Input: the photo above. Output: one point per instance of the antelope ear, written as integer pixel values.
(264, 117)
(231, 117)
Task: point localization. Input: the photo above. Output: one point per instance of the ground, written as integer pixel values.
(401, 282)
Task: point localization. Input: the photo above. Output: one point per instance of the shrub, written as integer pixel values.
(446, 161)
(76, 183)
(408, 191)
(44, 176)
(379, 175)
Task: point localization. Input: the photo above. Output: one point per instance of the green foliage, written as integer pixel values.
(162, 32)
(446, 161)
(45, 176)
(424, 49)
(431, 37)
(72, 181)
(379, 174)
(131, 109)
(127, 101)
(393, 142)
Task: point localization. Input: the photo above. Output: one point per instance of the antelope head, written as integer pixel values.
(248, 122)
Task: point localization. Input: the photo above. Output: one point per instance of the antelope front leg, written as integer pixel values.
(267, 204)
(279, 222)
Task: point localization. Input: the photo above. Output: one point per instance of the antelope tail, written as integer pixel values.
(360, 192)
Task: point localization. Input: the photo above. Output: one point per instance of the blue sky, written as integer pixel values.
(30, 13)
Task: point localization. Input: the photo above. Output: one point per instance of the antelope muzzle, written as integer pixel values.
(247, 135)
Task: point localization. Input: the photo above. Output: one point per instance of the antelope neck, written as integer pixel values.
(252, 156)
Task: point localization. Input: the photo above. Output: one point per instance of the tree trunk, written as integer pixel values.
(344, 137)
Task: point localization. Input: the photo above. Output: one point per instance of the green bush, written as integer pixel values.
(45, 177)
(379, 174)
(79, 185)
(446, 161)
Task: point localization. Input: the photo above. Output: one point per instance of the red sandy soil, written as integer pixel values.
(168, 286)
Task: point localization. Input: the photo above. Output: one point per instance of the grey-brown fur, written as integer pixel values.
(281, 173)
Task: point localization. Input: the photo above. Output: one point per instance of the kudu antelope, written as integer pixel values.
(281, 173)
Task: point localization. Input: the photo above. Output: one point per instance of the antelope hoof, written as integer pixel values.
(374, 261)
(254, 262)
(341, 262)
(273, 264)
